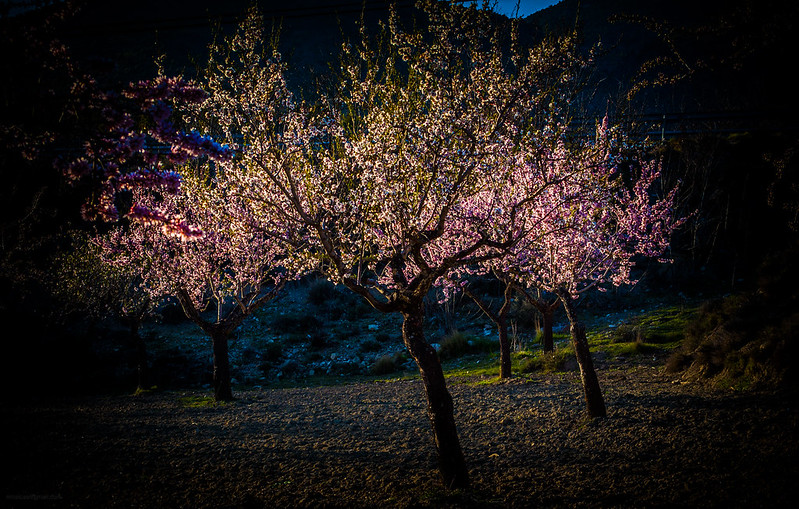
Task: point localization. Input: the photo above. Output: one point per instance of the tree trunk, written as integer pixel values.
(222, 388)
(451, 462)
(502, 325)
(595, 404)
(504, 348)
(500, 319)
(547, 313)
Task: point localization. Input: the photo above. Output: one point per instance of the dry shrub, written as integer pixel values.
(459, 344)
(741, 341)
(388, 364)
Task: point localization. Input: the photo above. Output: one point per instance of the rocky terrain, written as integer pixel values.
(665, 443)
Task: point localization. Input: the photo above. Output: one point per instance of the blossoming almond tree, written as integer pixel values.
(191, 244)
(227, 264)
(594, 237)
(408, 171)
(584, 233)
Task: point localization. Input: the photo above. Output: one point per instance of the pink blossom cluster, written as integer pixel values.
(126, 156)
(197, 242)
(170, 224)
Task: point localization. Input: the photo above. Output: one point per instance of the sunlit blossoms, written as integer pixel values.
(596, 224)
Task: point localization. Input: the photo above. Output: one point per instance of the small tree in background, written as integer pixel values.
(546, 307)
(226, 264)
(187, 244)
(608, 221)
(499, 316)
(580, 233)
(84, 283)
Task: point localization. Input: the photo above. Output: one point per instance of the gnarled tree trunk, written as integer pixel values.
(219, 333)
(502, 325)
(595, 403)
(451, 462)
(504, 347)
(223, 391)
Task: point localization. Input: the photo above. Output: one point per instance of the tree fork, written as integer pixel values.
(547, 314)
(547, 311)
(500, 319)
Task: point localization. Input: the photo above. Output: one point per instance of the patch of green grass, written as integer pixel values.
(141, 391)
(480, 365)
(627, 349)
(666, 326)
(662, 328)
(199, 401)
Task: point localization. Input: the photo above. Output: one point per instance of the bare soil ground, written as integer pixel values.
(368, 444)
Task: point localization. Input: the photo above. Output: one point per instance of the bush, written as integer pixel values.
(678, 361)
(388, 364)
(383, 365)
(345, 368)
(742, 341)
(290, 368)
(295, 323)
(453, 346)
(318, 339)
(321, 291)
(356, 309)
(627, 333)
(459, 344)
(248, 355)
(334, 311)
(383, 337)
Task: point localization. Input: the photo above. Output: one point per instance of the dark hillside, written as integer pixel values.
(720, 56)
(129, 36)
(723, 56)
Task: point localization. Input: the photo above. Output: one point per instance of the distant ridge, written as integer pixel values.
(734, 52)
